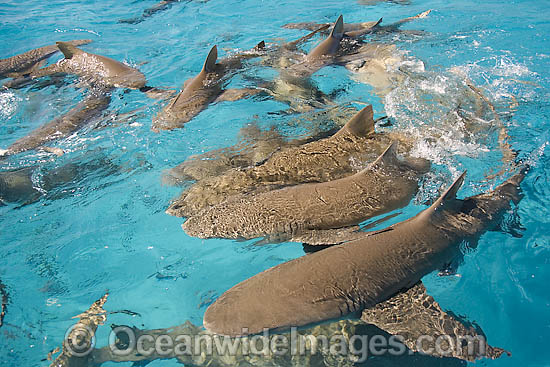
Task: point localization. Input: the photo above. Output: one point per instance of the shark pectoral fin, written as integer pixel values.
(310, 26)
(294, 44)
(327, 237)
(27, 71)
(362, 124)
(230, 95)
(67, 49)
(424, 327)
(210, 62)
(338, 30)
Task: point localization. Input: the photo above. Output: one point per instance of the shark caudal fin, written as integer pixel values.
(210, 63)
(338, 30)
(67, 49)
(511, 187)
(362, 124)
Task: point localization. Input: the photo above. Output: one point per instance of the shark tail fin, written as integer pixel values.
(362, 124)
(511, 187)
(377, 23)
(338, 30)
(211, 59)
(67, 49)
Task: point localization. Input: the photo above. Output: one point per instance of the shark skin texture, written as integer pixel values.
(360, 275)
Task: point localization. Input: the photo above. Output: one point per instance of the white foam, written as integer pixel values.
(8, 104)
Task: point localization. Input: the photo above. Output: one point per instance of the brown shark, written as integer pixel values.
(26, 62)
(205, 88)
(256, 145)
(95, 69)
(386, 184)
(158, 7)
(356, 30)
(321, 55)
(378, 275)
(92, 106)
(81, 337)
(323, 160)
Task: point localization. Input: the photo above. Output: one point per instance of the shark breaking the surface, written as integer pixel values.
(322, 160)
(388, 183)
(26, 62)
(378, 275)
(205, 88)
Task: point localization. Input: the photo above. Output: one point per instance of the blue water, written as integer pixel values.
(108, 229)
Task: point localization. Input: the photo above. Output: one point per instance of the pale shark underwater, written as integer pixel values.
(91, 107)
(198, 353)
(378, 275)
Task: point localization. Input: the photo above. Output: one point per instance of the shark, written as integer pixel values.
(386, 184)
(27, 62)
(80, 337)
(95, 69)
(199, 352)
(321, 55)
(376, 277)
(256, 144)
(358, 30)
(88, 109)
(327, 159)
(26, 185)
(157, 8)
(205, 88)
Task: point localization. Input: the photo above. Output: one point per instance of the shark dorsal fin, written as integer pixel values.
(362, 124)
(67, 49)
(210, 63)
(338, 29)
(260, 46)
(389, 156)
(448, 197)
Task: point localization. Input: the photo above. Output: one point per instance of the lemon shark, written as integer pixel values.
(85, 111)
(95, 69)
(205, 88)
(327, 159)
(386, 184)
(321, 55)
(355, 30)
(377, 276)
(157, 8)
(27, 62)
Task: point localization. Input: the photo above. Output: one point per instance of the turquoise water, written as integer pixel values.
(107, 228)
